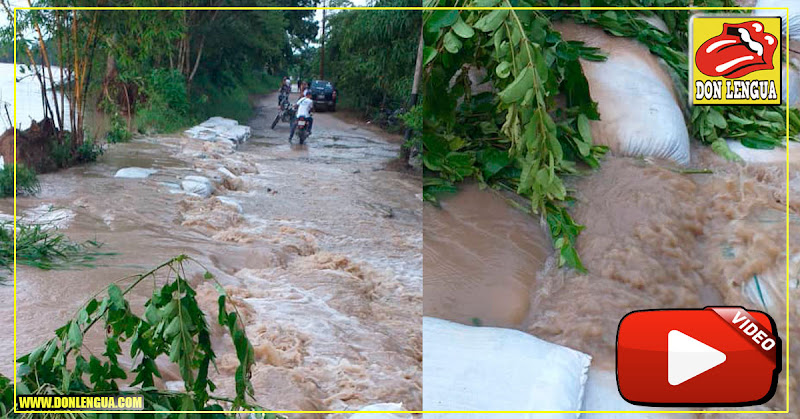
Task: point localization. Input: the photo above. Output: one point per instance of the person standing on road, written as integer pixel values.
(286, 88)
(304, 107)
(303, 90)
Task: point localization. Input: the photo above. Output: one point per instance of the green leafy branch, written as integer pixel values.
(519, 139)
(173, 325)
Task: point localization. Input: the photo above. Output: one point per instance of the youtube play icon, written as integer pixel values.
(717, 356)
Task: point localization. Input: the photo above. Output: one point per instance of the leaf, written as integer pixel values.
(451, 43)
(516, 90)
(584, 147)
(717, 119)
(115, 297)
(173, 327)
(503, 69)
(720, 147)
(175, 349)
(492, 21)
(462, 29)
(758, 144)
(74, 335)
(428, 53)
(441, 19)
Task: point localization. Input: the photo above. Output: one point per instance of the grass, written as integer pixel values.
(168, 111)
(234, 102)
(43, 247)
(27, 182)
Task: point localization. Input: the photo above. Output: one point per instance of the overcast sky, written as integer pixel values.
(357, 3)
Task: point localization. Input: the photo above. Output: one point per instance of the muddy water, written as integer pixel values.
(324, 261)
(654, 238)
(480, 259)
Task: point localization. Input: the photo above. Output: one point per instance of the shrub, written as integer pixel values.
(27, 182)
(119, 130)
(167, 105)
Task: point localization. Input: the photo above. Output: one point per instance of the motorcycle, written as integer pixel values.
(302, 129)
(286, 114)
(283, 98)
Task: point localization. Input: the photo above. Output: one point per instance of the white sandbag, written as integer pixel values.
(218, 121)
(382, 407)
(794, 14)
(775, 156)
(197, 185)
(134, 173)
(601, 394)
(640, 113)
(488, 368)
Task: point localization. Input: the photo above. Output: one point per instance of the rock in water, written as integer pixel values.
(198, 185)
(134, 173)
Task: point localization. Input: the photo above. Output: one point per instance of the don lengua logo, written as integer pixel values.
(735, 61)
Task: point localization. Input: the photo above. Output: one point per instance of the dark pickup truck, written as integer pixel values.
(323, 93)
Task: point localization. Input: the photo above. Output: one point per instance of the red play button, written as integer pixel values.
(718, 356)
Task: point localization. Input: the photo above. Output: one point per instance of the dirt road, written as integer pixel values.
(324, 260)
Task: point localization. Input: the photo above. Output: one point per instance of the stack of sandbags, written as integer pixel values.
(217, 129)
(469, 368)
(640, 112)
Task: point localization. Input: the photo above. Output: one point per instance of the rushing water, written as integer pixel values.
(654, 238)
(324, 263)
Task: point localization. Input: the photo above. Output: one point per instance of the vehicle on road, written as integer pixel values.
(302, 129)
(286, 114)
(323, 93)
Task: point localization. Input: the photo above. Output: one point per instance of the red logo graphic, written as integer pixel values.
(740, 49)
(718, 356)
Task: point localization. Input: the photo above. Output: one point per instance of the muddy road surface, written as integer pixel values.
(319, 246)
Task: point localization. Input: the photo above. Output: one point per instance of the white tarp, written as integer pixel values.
(488, 368)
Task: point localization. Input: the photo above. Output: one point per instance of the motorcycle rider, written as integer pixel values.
(286, 88)
(304, 107)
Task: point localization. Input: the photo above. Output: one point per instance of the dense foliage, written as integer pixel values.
(172, 67)
(27, 181)
(371, 55)
(517, 137)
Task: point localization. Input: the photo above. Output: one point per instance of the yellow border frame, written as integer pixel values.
(786, 370)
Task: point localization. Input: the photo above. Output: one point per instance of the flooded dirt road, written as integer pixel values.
(654, 238)
(324, 260)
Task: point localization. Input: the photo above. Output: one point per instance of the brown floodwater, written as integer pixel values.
(324, 262)
(654, 238)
